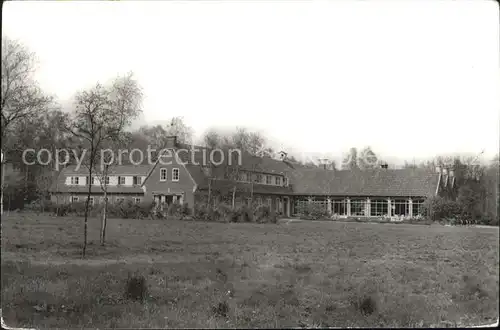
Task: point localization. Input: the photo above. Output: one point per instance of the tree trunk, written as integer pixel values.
(85, 221)
(234, 195)
(105, 209)
(209, 190)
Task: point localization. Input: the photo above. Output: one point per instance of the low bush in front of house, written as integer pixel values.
(313, 211)
(224, 212)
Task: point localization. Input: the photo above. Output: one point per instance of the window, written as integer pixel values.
(120, 199)
(269, 179)
(163, 174)
(104, 199)
(340, 207)
(259, 201)
(137, 180)
(106, 180)
(137, 200)
(401, 207)
(93, 180)
(378, 207)
(358, 207)
(87, 180)
(417, 207)
(269, 202)
(121, 180)
(258, 178)
(74, 180)
(74, 199)
(278, 180)
(249, 202)
(285, 181)
(175, 174)
(91, 201)
(278, 204)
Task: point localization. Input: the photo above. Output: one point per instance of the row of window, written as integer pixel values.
(163, 174)
(75, 180)
(377, 207)
(76, 199)
(274, 180)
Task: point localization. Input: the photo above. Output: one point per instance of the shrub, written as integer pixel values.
(263, 214)
(313, 211)
(136, 288)
(202, 211)
(223, 212)
(438, 208)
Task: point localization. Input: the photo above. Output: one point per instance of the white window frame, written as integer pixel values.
(74, 199)
(278, 204)
(92, 180)
(120, 179)
(91, 201)
(277, 180)
(137, 200)
(75, 180)
(285, 181)
(259, 201)
(137, 179)
(163, 170)
(106, 180)
(269, 202)
(175, 170)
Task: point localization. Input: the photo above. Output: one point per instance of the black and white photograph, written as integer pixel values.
(250, 164)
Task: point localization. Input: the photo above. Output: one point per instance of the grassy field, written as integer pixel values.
(312, 274)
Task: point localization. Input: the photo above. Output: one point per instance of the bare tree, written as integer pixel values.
(22, 98)
(102, 114)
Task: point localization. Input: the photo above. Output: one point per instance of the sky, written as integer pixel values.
(410, 79)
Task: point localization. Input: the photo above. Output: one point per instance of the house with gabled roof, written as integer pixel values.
(191, 175)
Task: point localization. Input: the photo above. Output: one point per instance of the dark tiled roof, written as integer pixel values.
(378, 182)
(113, 170)
(303, 180)
(224, 186)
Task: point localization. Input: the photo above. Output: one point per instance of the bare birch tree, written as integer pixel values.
(102, 114)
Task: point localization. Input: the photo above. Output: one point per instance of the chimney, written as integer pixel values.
(171, 141)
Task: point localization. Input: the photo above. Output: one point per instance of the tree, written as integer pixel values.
(367, 159)
(102, 114)
(22, 98)
(350, 161)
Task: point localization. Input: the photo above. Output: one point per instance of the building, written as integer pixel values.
(191, 175)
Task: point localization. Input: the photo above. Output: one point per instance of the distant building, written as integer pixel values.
(284, 186)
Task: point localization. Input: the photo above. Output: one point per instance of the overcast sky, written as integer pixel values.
(411, 79)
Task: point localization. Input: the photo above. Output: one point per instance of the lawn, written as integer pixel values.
(216, 275)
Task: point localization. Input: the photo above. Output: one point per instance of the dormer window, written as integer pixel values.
(163, 174)
(277, 180)
(74, 180)
(269, 179)
(258, 178)
(175, 174)
(285, 181)
(121, 180)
